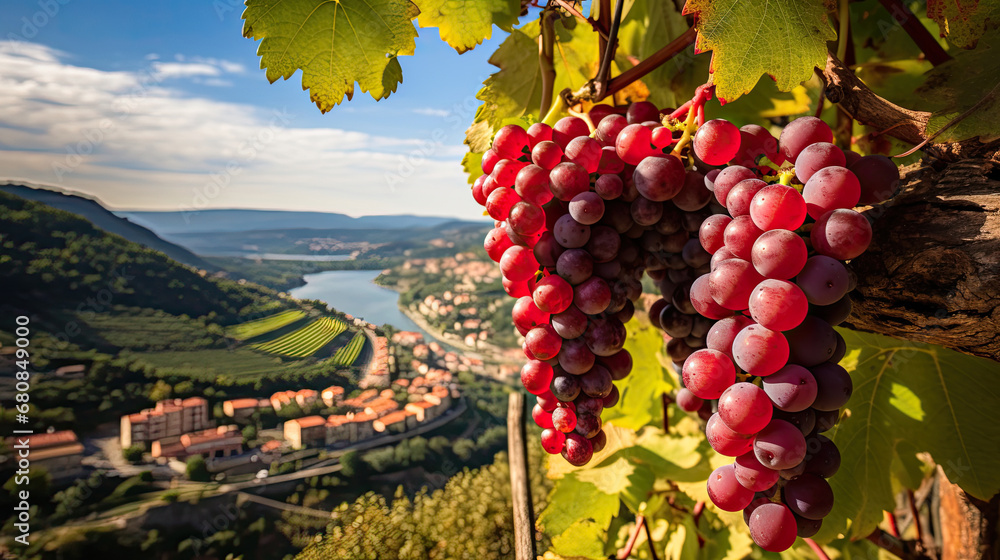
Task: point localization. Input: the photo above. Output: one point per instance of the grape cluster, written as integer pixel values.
(746, 237)
(580, 215)
(777, 286)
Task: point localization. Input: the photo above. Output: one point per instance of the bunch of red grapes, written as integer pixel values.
(748, 254)
(777, 286)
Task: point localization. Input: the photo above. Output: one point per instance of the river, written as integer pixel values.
(354, 293)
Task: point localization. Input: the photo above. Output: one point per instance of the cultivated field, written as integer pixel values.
(305, 341)
(348, 354)
(251, 329)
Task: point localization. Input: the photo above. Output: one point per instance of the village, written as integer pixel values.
(332, 418)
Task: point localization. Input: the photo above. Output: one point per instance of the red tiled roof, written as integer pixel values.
(309, 421)
(39, 441)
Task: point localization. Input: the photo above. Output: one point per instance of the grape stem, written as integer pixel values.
(697, 103)
(585, 116)
(680, 111)
(820, 553)
(627, 551)
(911, 498)
(558, 108)
(666, 400)
(890, 519)
(649, 541)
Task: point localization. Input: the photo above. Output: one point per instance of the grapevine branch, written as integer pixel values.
(546, 50)
(600, 83)
(626, 78)
(569, 7)
(897, 547)
(910, 23)
(846, 90)
(627, 551)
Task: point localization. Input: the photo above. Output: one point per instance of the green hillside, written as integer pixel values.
(103, 218)
(53, 259)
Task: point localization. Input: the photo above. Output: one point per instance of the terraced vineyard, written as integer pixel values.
(251, 329)
(348, 354)
(306, 341)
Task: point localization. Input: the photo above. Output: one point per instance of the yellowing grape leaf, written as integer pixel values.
(938, 400)
(472, 163)
(618, 439)
(964, 21)
(785, 39)
(463, 24)
(611, 478)
(584, 539)
(335, 44)
(959, 85)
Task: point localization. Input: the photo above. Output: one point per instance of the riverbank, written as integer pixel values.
(490, 353)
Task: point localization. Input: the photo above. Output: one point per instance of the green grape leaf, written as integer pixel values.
(940, 401)
(959, 85)
(463, 24)
(335, 44)
(573, 500)
(964, 21)
(514, 92)
(641, 391)
(584, 539)
(783, 38)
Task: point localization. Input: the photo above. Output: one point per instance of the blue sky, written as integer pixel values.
(162, 105)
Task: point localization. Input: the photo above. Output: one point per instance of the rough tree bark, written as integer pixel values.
(968, 527)
(932, 273)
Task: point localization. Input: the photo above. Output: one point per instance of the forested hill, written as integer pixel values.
(106, 220)
(53, 259)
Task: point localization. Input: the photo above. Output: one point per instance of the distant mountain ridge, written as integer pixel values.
(91, 209)
(233, 220)
(55, 259)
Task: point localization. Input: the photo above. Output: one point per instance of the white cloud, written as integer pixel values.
(135, 143)
(167, 70)
(431, 112)
(214, 82)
